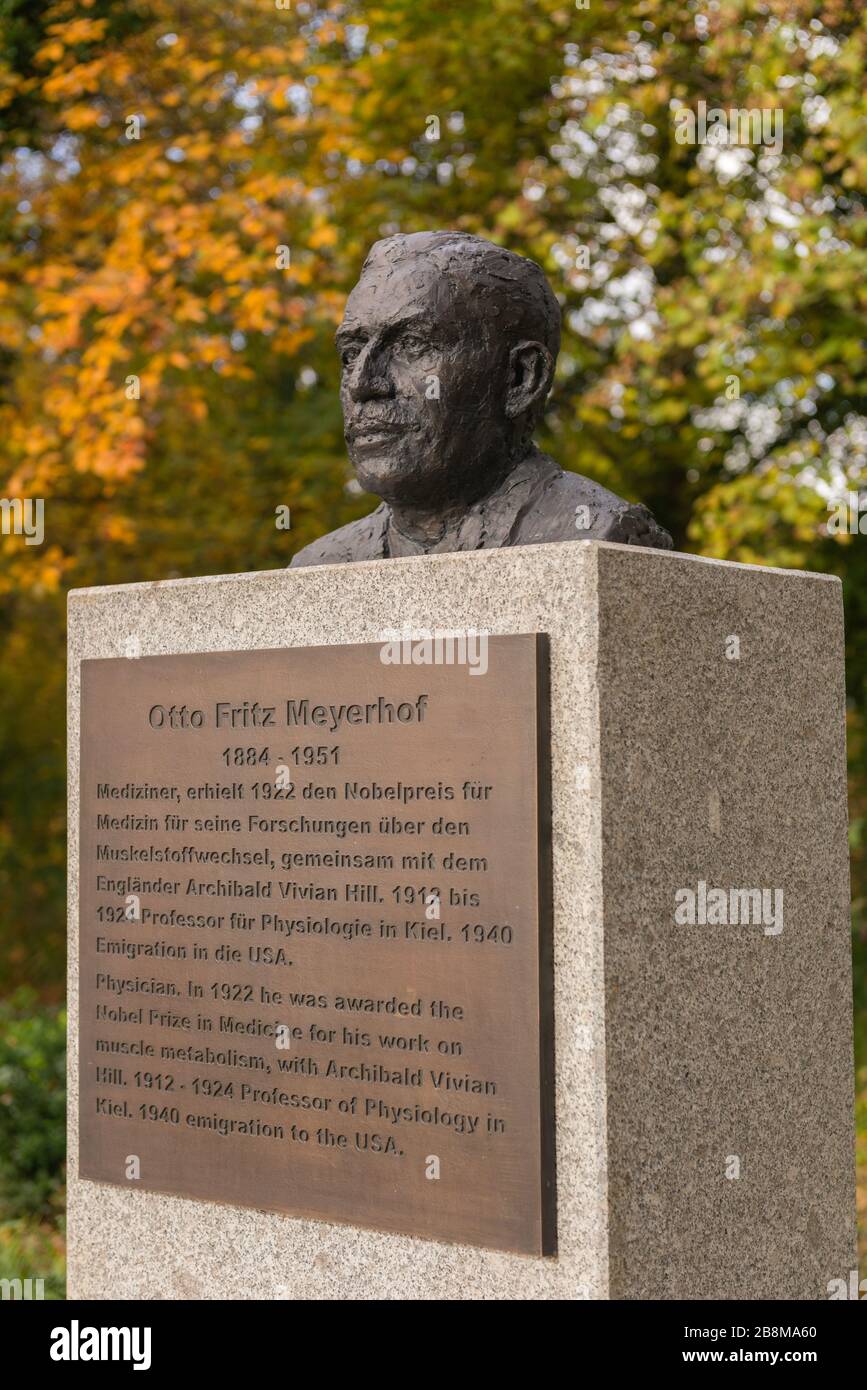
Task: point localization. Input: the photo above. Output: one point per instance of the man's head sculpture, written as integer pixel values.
(448, 346)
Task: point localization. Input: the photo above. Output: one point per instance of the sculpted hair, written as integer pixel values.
(510, 293)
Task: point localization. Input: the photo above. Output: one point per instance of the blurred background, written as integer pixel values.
(187, 192)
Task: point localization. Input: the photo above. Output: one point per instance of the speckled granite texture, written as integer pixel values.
(677, 1047)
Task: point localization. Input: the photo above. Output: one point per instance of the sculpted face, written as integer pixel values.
(424, 386)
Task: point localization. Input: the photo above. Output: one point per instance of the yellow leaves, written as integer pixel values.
(510, 216)
(258, 308)
(118, 529)
(49, 53)
(199, 69)
(196, 148)
(330, 141)
(67, 85)
(273, 186)
(102, 352)
(119, 69)
(341, 103)
(87, 425)
(236, 368)
(332, 304)
(289, 341)
(271, 56)
(126, 171)
(212, 348)
(222, 256)
(61, 325)
(48, 571)
(78, 31)
(323, 234)
(119, 462)
(82, 117)
(253, 225)
(190, 310)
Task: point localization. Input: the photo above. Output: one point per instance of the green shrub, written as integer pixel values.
(32, 1107)
(31, 1250)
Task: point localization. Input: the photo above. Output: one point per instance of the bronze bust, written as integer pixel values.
(448, 347)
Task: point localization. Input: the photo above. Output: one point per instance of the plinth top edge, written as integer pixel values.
(506, 554)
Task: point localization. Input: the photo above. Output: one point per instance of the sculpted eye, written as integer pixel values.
(349, 352)
(413, 344)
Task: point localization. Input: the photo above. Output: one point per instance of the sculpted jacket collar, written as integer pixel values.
(536, 503)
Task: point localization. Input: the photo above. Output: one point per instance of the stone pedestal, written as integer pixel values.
(703, 1086)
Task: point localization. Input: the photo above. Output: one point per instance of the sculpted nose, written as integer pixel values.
(369, 379)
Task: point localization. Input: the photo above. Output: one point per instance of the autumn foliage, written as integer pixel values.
(187, 191)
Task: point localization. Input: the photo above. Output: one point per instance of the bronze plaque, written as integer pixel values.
(315, 954)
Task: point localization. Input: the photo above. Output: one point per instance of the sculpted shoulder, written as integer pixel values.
(359, 540)
(573, 508)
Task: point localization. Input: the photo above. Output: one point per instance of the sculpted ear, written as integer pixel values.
(531, 370)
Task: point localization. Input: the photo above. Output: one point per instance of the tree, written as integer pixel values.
(187, 192)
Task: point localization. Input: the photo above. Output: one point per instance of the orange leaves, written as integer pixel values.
(273, 186)
(103, 352)
(258, 309)
(196, 148)
(42, 570)
(82, 116)
(290, 341)
(69, 84)
(50, 53)
(212, 348)
(324, 234)
(61, 323)
(77, 31)
(341, 103)
(190, 309)
(117, 529)
(199, 69)
(222, 256)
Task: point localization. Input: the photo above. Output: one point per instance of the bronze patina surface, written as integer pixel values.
(448, 347)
